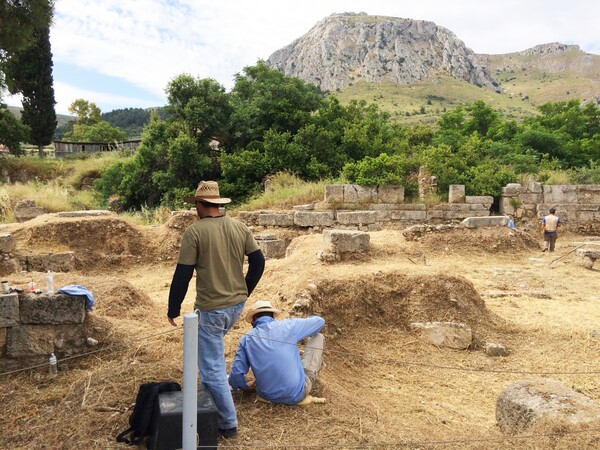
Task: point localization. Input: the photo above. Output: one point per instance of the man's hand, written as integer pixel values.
(251, 385)
(172, 321)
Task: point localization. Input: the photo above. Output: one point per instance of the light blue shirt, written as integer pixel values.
(271, 350)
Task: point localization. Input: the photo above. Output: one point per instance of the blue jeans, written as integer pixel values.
(212, 329)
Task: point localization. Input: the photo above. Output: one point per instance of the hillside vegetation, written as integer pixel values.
(425, 103)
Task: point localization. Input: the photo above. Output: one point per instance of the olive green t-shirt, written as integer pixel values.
(217, 247)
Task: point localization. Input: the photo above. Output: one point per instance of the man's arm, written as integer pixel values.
(309, 326)
(256, 267)
(179, 286)
(239, 368)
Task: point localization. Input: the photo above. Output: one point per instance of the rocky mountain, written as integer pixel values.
(548, 72)
(346, 48)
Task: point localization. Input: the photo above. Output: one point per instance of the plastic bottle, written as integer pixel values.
(53, 369)
(49, 282)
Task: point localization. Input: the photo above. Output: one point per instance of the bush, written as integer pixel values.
(383, 170)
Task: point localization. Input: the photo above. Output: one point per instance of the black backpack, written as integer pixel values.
(142, 420)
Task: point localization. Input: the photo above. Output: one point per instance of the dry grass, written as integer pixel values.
(385, 389)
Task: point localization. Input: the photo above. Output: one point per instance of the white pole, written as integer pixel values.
(190, 381)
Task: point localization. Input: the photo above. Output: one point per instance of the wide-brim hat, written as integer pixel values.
(208, 191)
(259, 307)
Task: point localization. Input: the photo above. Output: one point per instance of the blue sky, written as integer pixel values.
(123, 53)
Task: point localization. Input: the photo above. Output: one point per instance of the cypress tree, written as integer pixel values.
(30, 73)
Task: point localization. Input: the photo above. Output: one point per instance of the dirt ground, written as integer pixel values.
(384, 387)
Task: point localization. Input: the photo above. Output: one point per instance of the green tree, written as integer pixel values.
(177, 152)
(12, 131)
(200, 106)
(264, 98)
(86, 113)
(18, 20)
(29, 72)
(97, 132)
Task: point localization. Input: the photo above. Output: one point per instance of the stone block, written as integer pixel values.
(357, 217)
(486, 200)
(534, 187)
(2, 342)
(24, 214)
(55, 262)
(588, 216)
(408, 215)
(9, 265)
(274, 248)
(306, 207)
(531, 198)
(489, 221)
(334, 193)
(494, 350)
(453, 215)
(456, 193)
(345, 241)
(546, 401)
(445, 334)
(479, 207)
(451, 207)
(7, 243)
(512, 189)
(559, 193)
(390, 194)
(31, 340)
(52, 308)
(354, 193)
(276, 220)
(313, 218)
(588, 194)
(85, 213)
(9, 310)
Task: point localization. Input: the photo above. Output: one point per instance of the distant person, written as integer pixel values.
(510, 223)
(270, 350)
(549, 227)
(215, 246)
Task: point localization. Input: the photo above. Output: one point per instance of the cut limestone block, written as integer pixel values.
(545, 402)
(445, 334)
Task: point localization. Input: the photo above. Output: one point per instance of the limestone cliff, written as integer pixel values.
(345, 48)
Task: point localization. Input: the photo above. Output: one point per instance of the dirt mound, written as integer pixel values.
(487, 240)
(396, 300)
(99, 243)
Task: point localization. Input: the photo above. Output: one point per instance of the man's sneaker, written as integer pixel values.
(227, 433)
(545, 250)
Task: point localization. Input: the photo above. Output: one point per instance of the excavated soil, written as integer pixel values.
(385, 387)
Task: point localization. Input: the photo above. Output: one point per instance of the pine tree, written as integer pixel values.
(30, 73)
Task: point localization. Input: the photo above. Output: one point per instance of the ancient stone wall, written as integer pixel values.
(370, 208)
(32, 326)
(578, 206)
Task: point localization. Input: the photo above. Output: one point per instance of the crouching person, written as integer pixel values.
(270, 349)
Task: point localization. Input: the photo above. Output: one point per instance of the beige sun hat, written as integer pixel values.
(261, 306)
(208, 191)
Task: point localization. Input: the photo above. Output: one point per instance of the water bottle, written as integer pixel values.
(53, 369)
(49, 282)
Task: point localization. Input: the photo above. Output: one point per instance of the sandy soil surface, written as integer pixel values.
(384, 387)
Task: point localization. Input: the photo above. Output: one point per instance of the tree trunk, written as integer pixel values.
(41, 151)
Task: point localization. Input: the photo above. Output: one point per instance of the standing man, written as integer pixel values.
(215, 246)
(270, 350)
(549, 227)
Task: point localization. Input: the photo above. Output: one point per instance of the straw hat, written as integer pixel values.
(208, 191)
(261, 306)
